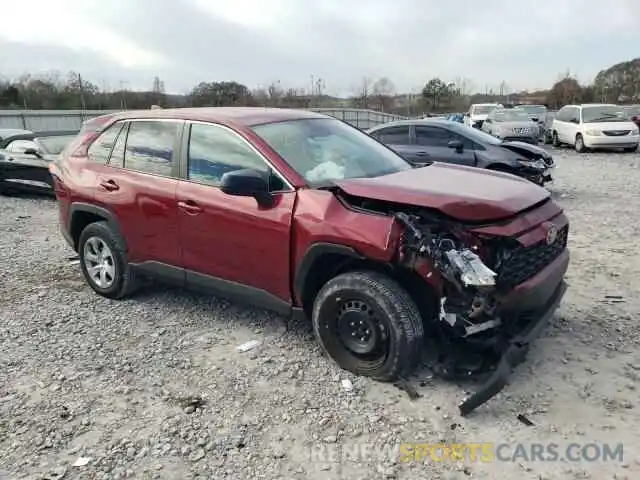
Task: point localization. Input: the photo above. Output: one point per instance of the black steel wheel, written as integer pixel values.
(368, 324)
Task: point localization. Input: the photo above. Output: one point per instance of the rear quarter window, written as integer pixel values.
(101, 147)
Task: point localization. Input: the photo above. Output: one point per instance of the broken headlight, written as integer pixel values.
(471, 270)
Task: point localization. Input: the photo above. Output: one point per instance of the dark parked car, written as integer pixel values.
(25, 158)
(425, 141)
(303, 214)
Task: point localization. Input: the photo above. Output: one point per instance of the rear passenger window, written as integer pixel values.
(149, 147)
(393, 135)
(100, 149)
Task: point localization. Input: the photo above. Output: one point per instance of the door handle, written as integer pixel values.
(190, 207)
(421, 154)
(110, 185)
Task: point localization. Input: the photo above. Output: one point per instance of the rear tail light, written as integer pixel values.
(635, 118)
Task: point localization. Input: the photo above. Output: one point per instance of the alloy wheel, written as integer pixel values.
(99, 262)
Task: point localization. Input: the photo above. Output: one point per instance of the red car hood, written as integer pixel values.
(464, 193)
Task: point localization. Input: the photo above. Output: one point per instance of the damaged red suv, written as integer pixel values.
(303, 214)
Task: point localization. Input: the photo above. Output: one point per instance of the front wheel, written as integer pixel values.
(631, 149)
(580, 148)
(555, 141)
(369, 325)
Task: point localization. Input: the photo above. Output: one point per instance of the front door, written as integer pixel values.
(437, 141)
(230, 243)
(138, 186)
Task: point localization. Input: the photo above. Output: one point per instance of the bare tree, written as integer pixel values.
(383, 91)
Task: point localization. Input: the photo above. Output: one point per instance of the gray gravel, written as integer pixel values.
(153, 386)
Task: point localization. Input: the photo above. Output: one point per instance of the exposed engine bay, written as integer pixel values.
(471, 330)
(467, 302)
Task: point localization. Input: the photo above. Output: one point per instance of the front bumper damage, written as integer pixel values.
(514, 354)
(486, 310)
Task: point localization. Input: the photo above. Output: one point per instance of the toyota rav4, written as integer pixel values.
(304, 214)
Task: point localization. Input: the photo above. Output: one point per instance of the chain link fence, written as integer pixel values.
(47, 120)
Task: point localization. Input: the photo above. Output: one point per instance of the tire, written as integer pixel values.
(631, 149)
(386, 308)
(580, 148)
(120, 278)
(555, 141)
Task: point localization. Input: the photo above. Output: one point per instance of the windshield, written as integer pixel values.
(511, 116)
(325, 149)
(55, 145)
(476, 135)
(632, 110)
(605, 113)
(482, 109)
(534, 109)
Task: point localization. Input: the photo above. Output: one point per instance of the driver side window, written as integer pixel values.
(214, 151)
(20, 146)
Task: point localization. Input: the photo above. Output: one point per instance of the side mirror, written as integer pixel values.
(247, 183)
(575, 120)
(456, 145)
(32, 151)
(488, 120)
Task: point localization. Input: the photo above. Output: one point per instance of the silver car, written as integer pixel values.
(512, 124)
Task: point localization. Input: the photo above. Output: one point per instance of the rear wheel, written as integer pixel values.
(580, 148)
(103, 261)
(369, 325)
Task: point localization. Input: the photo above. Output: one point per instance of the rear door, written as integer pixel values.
(572, 126)
(398, 138)
(435, 140)
(138, 185)
(561, 124)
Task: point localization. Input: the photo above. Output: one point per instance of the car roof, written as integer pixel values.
(244, 116)
(30, 136)
(13, 131)
(582, 105)
(416, 121)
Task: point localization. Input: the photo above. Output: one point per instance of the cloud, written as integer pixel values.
(260, 41)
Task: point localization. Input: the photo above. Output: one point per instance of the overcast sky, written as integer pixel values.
(127, 42)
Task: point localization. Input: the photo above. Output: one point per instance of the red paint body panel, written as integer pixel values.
(145, 206)
(464, 193)
(235, 239)
(530, 227)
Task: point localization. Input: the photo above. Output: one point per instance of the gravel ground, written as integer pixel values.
(153, 386)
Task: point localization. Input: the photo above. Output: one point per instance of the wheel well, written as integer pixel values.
(80, 221)
(330, 265)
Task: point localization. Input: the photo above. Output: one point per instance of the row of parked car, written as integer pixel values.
(488, 136)
(584, 127)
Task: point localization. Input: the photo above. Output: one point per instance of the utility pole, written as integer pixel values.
(123, 97)
(83, 106)
(313, 90)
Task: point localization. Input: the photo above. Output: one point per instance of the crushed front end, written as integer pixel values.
(498, 284)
